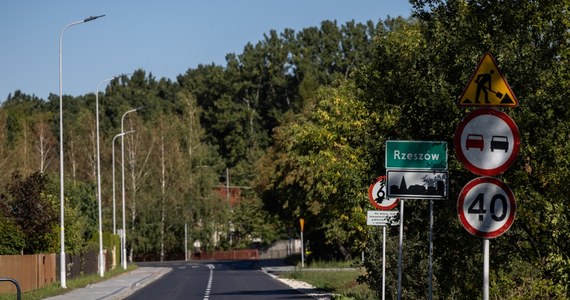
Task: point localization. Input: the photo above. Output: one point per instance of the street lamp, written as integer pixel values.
(124, 250)
(101, 257)
(62, 197)
(114, 218)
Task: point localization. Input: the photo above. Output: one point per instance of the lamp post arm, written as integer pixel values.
(92, 18)
(125, 114)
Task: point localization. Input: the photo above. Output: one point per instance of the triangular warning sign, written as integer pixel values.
(487, 86)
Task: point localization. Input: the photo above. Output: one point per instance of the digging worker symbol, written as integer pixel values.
(488, 86)
(483, 85)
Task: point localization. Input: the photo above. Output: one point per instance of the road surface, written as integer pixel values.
(231, 280)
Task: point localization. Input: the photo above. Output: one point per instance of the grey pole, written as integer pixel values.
(485, 269)
(400, 249)
(124, 250)
(430, 295)
(61, 173)
(185, 241)
(114, 215)
(101, 257)
(384, 262)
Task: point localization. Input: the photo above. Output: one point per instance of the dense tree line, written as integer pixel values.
(193, 140)
(298, 123)
(321, 165)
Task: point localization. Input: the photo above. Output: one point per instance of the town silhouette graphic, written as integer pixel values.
(433, 186)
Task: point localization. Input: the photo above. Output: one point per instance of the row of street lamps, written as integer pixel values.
(62, 192)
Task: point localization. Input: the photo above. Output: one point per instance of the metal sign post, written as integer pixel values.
(302, 223)
(400, 246)
(384, 219)
(383, 262)
(430, 289)
(485, 269)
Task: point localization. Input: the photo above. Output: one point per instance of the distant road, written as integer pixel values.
(215, 280)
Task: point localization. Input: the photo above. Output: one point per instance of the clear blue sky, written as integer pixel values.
(164, 38)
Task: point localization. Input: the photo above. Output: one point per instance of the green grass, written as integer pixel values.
(75, 283)
(330, 264)
(343, 284)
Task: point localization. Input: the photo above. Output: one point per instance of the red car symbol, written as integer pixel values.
(474, 141)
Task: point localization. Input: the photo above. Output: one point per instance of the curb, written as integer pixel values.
(301, 286)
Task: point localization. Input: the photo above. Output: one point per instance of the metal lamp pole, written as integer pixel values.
(124, 250)
(61, 175)
(114, 215)
(101, 257)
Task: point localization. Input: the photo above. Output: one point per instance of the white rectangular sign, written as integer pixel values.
(382, 218)
(416, 184)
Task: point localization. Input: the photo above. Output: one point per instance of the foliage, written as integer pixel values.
(446, 41)
(253, 225)
(29, 208)
(12, 240)
(221, 117)
(316, 172)
(302, 117)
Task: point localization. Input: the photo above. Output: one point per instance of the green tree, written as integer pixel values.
(30, 209)
(317, 170)
(252, 224)
(12, 240)
(419, 70)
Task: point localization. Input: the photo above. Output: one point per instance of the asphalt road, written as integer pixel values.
(232, 280)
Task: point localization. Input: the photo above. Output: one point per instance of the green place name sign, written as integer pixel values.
(422, 155)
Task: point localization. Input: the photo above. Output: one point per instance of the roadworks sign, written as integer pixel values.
(487, 86)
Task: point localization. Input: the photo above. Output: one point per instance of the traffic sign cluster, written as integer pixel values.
(487, 143)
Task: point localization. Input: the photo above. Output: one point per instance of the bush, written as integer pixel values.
(12, 240)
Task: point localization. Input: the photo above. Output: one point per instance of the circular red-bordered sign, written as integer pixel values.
(486, 207)
(377, 195)
(487, 142)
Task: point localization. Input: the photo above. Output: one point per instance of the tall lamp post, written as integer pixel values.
(124, 250)
(62, 197)
(114, 216)
(101, 257)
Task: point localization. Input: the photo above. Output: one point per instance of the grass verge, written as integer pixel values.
(55, 289)
(339, 279)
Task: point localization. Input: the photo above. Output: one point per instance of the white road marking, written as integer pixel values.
(209, 287)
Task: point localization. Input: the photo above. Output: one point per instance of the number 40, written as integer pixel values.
(478, 207)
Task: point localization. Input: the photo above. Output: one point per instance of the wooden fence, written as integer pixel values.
(227, 255)
(31, 271)
(279, 249)
(38, 270)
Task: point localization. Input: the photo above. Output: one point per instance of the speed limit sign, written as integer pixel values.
(486, 207)
(378, 196)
